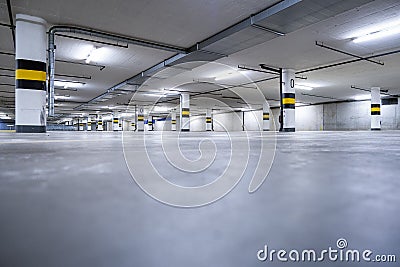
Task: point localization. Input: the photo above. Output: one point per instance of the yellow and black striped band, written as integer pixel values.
(89, 123)
(140, 118)
(133, 124)
(173, 121)
(208, 119)
(265, 116)
(30, 74)
(375, 109)
(150, 123)
(115, 120)
(100, 123)
(185, 112)
(288, 100)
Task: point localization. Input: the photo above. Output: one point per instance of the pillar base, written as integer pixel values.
(375, 129)
(30, 129)
(288, 129)
(185, 130)
(266, 130)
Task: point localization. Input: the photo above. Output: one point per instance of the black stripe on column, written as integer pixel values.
(30, 84)
(30, 129)
(26, 64)
(289, 106)
(289, 129)
(288, 95)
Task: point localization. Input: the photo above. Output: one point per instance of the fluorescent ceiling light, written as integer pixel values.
(303, 87)
(67, 84)
(160, 109)
(379, 31)
(224, 76)
(362, 97)
(377, 35)
(94, 55)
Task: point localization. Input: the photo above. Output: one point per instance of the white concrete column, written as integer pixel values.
(133, 126)
(288, 100)
(140, 119)
(185, 112)
(173, 120)
(150, 123)
(115, 124)
(89, 124)
(99, 123)
(30, 74)
(208, 120)
(266, 121)
(80, 123)
(376, 108)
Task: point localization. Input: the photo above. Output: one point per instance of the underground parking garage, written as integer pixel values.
(199, 133)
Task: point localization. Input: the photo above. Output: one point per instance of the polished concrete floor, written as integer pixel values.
(68, 199)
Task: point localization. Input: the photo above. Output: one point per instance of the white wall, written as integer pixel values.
(253, 120)
(228, 121)
(335, 116)
(347, 116)
(309, 118)
(198, 123)
(390, 116)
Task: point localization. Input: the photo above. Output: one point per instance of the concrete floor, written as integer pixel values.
(67, 199)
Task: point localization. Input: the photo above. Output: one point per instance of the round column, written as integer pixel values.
(173, 120)
(140, 119)
(266, 122)
(185, 113)
(376, 108)
(89, 124)
(288, 100)
(208, 120)
(30, 74)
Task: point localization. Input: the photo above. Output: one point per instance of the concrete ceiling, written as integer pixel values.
(184, 23)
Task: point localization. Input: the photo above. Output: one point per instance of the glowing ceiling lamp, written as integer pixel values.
(362, 97)
(379, 31)
(303, 87)
(93, 54)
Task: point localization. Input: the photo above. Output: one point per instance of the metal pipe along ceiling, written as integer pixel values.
(80, 30)
(181, 52)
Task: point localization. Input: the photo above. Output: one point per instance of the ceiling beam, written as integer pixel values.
(248, 22)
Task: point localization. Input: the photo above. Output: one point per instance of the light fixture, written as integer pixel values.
(224, 76)
(378, 31)
(93, 55)
(68, 84)
(160, 109)
(303, 87)
(362, 97)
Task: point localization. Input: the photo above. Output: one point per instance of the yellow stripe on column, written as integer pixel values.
(375, 109)
(185, 112)
(33, 75)
(288, 101)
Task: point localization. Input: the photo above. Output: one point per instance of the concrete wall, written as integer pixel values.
(309, 118)
(390, 116)
(228, 121)
(253, 120)
(347, 116)
(335, 116)
(198, 123)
